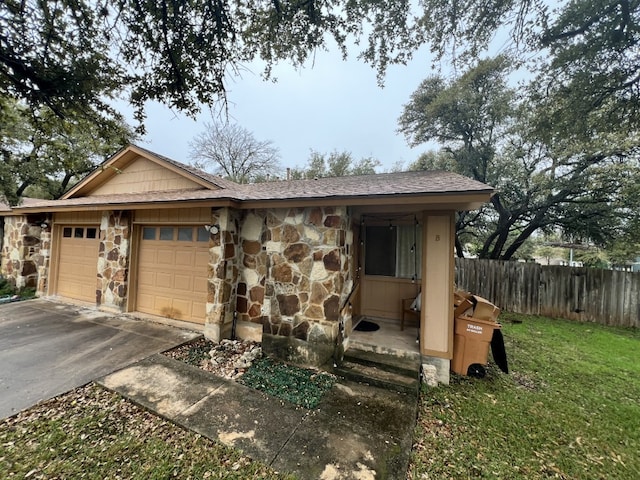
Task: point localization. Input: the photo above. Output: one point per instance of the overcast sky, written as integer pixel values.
(328, 105)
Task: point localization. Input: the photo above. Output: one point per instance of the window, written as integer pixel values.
(89, 233)
(166, 233)
(409, 251)
(393, 251)
(173, 234)
(185, 234)
(380, 247)
(148, 233)
(203, 235)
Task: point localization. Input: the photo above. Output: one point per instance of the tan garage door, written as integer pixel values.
(78, 264)
(172, 272)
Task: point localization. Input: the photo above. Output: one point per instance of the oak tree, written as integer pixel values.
(490, 133)
(43, 155)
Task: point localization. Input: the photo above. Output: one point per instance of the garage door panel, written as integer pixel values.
(173, 273)
(200, 284)
(147, 258)
(165, 257)
(182, 308)
(183, 282)
(161, 301)
(145, 301)
(89, 291)
(146, 278)
(202, 258)
(199, 309)
(185, 259)
(78, 263)
(164, 280)
(87, 270)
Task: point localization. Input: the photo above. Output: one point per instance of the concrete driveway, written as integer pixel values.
(47, 348)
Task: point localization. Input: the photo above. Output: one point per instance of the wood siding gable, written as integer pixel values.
(143, 176)
(135, 170)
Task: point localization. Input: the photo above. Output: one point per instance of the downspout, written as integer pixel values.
(233, 325)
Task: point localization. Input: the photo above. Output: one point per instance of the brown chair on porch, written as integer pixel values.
(407, 310)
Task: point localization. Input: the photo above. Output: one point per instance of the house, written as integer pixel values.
(292, 263)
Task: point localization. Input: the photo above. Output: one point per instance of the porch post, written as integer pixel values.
(436, 322)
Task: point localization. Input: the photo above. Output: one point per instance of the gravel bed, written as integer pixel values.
(229, 358)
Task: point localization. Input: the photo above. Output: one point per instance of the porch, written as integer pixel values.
(388, 339)
(405, 255)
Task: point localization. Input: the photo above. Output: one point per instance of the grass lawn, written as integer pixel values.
(95, 434)
(570, 408)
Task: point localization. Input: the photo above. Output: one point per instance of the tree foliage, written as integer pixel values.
(46, 154)
(493, 135)
(72, 55)
(233, 152)
(334, 164)
(75, 56)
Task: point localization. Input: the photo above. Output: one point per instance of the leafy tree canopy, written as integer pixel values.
(492, 134)
(43, 154)
(334, 164)
(74, 55)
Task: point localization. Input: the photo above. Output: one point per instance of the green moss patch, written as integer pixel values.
(300, 386)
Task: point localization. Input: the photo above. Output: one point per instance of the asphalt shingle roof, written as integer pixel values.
(380, 185)
(404, 183)
(385, 185)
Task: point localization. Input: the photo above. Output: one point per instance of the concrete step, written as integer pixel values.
(385, 350)
(384, 371)
(408, 365)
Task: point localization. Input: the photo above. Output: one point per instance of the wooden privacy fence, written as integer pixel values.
(604, 296)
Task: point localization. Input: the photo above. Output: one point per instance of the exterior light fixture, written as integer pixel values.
(212, 229)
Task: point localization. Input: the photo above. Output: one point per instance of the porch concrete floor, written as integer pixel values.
(388, 339)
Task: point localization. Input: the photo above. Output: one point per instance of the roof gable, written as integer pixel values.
(136, 170)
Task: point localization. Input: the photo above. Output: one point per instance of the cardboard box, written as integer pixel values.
(462, 304)
(484, 309)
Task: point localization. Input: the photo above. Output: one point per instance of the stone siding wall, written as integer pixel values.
(42, 258)
(223, 274)
(113, 260)
(26, 250)
(295, 273)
